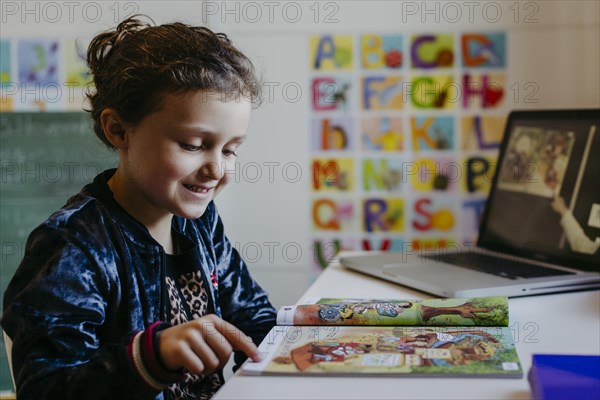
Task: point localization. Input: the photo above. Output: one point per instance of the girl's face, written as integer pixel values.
(177, 159)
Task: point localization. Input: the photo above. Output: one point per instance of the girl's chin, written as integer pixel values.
(190, 213)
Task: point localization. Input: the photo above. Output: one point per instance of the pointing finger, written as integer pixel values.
(238, 340)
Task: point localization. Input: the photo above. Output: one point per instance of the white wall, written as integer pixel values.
(554, 45)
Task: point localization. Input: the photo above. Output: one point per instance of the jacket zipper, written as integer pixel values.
(163, 291)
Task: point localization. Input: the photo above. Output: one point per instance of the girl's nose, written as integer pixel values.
(212, 170)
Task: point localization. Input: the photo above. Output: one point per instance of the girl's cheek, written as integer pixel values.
(183, 166)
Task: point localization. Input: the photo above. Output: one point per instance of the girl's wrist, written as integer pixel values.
(145, 355)
(158, 328)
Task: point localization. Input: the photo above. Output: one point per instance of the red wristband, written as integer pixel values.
(151, 355)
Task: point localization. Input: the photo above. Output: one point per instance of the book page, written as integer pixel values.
(426, 351)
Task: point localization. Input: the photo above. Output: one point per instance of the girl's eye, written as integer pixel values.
(230, 153)
(190, 147)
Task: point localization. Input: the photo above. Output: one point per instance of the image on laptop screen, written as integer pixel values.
(546, 201)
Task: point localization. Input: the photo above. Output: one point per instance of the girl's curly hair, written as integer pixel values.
(137, 62)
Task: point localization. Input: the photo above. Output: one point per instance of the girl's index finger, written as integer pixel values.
(239, 340)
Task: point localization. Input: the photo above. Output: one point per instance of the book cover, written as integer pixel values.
(477, 311)
(435, 338)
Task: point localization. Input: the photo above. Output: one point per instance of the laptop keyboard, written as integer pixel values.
(511, 269)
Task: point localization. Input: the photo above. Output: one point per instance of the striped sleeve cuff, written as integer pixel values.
(145, 358)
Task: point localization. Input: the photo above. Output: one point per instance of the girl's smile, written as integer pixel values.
(201, 192)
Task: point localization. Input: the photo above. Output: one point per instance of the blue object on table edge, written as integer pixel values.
(565, 376)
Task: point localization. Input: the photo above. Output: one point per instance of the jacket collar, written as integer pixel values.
(101, 191)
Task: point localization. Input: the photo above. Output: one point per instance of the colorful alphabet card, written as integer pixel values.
(383, 214)
(386, 243)
(382, 92)
(471, 213)
(382, 133)
(325, 249)
(483, 91)
(333, 174)
(333, 214)
(439, 92)
(483, 50)
(381, 52)
(331, 52)
(333, 133)
(477, 173)
(432, 51)
(433, 174)
(332, 93)
(383, 174)
(481, 132)
(434, 214)
(432, 132)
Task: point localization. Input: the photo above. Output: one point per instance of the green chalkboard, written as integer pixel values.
(45, 159)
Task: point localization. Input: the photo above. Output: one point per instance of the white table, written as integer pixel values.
(566, 323)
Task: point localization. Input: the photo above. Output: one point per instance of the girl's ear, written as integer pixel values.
(114, 128)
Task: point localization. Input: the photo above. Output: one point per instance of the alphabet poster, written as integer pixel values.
(405, 131)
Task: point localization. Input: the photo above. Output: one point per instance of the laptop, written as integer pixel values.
(540, 229)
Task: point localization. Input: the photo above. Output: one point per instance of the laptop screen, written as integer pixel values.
(545, 199)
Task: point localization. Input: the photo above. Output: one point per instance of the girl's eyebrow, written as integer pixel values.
(238, 138)
(208, 132)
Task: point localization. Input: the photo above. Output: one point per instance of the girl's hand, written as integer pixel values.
(203, 345)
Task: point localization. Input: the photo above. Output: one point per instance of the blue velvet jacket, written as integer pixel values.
(91, 277)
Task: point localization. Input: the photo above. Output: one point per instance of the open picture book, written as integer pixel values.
(436, 338)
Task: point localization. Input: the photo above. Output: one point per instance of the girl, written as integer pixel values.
(132, 289)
